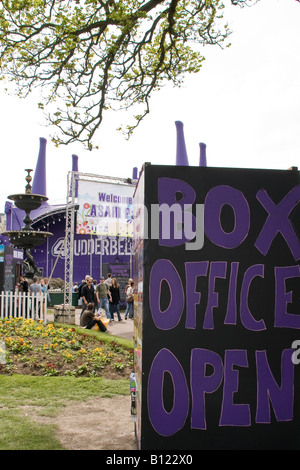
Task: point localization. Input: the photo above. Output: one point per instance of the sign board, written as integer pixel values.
(104, 209)
(91, 254)
(103, 229)
(217, 308)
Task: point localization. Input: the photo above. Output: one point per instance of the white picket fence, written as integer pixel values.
(21, 304)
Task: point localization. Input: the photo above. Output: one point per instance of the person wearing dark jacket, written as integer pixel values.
(25, 289)
(114, 303)
(88, 295)
(80, 287)
(24, 284)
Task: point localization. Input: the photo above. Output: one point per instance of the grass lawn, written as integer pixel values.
(19, 432)
(49, 393)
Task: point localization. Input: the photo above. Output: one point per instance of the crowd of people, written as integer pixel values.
(96, 298)
(37, 287)
(32, 308)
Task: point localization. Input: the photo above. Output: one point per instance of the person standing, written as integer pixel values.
(80, 287)
(35, 289)
(43, 286)
(129, 301)
(128, 285)
(24, 284)
(75, 287)
(108, 281)
(103, 296)
(114, 305)
(88, 295)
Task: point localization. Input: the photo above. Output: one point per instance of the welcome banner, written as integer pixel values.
(105, 209)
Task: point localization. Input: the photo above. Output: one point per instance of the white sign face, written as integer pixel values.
(105, 209)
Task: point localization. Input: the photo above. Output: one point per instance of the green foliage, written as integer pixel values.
(50, 394)
(89, 56)
(56, 391)
(63, 364)
(57, 350)
(21, 433)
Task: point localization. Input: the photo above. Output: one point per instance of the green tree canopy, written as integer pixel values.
(89, 56)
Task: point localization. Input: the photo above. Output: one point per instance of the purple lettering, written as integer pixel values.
(247, 319)
(193, 270)
(206, 376)
(216, 198)
(93, 211)
(281, 397)
(168, 191)
(163, 269)
(167, 423)
(282, 298)
(202, 383)
(217, 269)
(231, 314)
(277, 221)
(234, 414)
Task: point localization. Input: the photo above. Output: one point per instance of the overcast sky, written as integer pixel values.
(244, 105)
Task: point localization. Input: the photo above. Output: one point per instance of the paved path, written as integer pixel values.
(123, 328)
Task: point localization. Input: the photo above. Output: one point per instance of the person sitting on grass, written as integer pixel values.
(88, 319)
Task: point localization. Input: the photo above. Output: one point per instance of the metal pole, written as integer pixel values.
(69, 244)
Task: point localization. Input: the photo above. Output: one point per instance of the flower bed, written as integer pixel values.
(33, 348)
